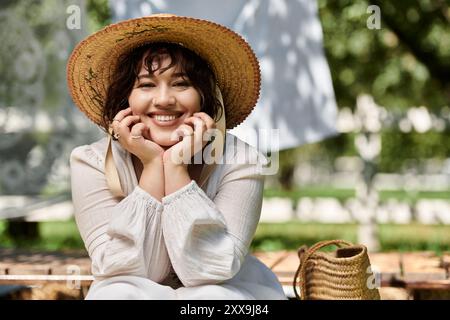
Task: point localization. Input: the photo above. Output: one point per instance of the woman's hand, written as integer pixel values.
(192, 132)
(136, 140)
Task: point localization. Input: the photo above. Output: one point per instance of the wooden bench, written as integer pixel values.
(67, 271)
(418, 275)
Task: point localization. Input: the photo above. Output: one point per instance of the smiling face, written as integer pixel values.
(163, 90)
(163, 99)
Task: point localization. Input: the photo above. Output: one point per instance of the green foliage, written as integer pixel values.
(99, 14)
(398, 147)
(403, 64)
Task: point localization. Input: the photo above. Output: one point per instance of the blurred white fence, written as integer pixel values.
(331, 210)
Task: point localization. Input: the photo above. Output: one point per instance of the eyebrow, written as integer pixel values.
(174, 75)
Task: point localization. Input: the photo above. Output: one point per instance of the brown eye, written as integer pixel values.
(146, 85)
(182, 84)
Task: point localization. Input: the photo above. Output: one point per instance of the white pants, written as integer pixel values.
(253, 282)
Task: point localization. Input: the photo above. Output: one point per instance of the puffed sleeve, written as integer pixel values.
(122, 237)
(208, 239)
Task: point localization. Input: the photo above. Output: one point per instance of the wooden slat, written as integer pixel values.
(421, 266)
(34, 279)
(427, 284)
(387, 265)
(29, 267)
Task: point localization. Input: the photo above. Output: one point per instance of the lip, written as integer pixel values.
(158, 113)
(166, 123)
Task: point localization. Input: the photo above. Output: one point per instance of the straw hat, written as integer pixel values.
(230, 57)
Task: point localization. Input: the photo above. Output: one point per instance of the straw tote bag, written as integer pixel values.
(342, 274)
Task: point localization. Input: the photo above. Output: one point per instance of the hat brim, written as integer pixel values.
(230, 57)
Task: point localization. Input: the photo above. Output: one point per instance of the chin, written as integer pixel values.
(163, 140)
(165, 143)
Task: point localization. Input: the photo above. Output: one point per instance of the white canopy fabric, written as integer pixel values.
(297, 97)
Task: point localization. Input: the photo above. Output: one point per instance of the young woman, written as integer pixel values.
(156, 222)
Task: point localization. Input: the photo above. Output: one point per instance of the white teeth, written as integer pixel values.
(165, 118)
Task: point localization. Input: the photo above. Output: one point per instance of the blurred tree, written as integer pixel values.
(423, 27)
(99, 14)
(37, 127)
(404, 63)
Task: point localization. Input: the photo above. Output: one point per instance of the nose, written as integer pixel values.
(163, 98)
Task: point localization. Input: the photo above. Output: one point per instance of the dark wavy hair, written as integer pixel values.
(123, 79)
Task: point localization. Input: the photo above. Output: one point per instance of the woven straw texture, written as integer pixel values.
(340, 275)
(232, 60)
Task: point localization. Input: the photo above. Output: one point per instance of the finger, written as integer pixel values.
(122, 114)
(124, 127)
(210, 123)
(137, 131)
(197, 123)
(185, 130)
(128, 121)
(199, 128)
(138, 128)
(146, 133)
(119, 117)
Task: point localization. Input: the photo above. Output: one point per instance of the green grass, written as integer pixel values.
(345, 194)
(412, 197)
(54, 235)
(269, 236)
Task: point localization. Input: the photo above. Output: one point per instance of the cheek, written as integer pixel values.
(136, 101)
(193, 100)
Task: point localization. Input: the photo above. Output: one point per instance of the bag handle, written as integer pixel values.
(304, 256)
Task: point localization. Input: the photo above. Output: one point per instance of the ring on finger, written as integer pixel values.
(116, 136)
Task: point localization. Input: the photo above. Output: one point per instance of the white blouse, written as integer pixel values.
(196, 236)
